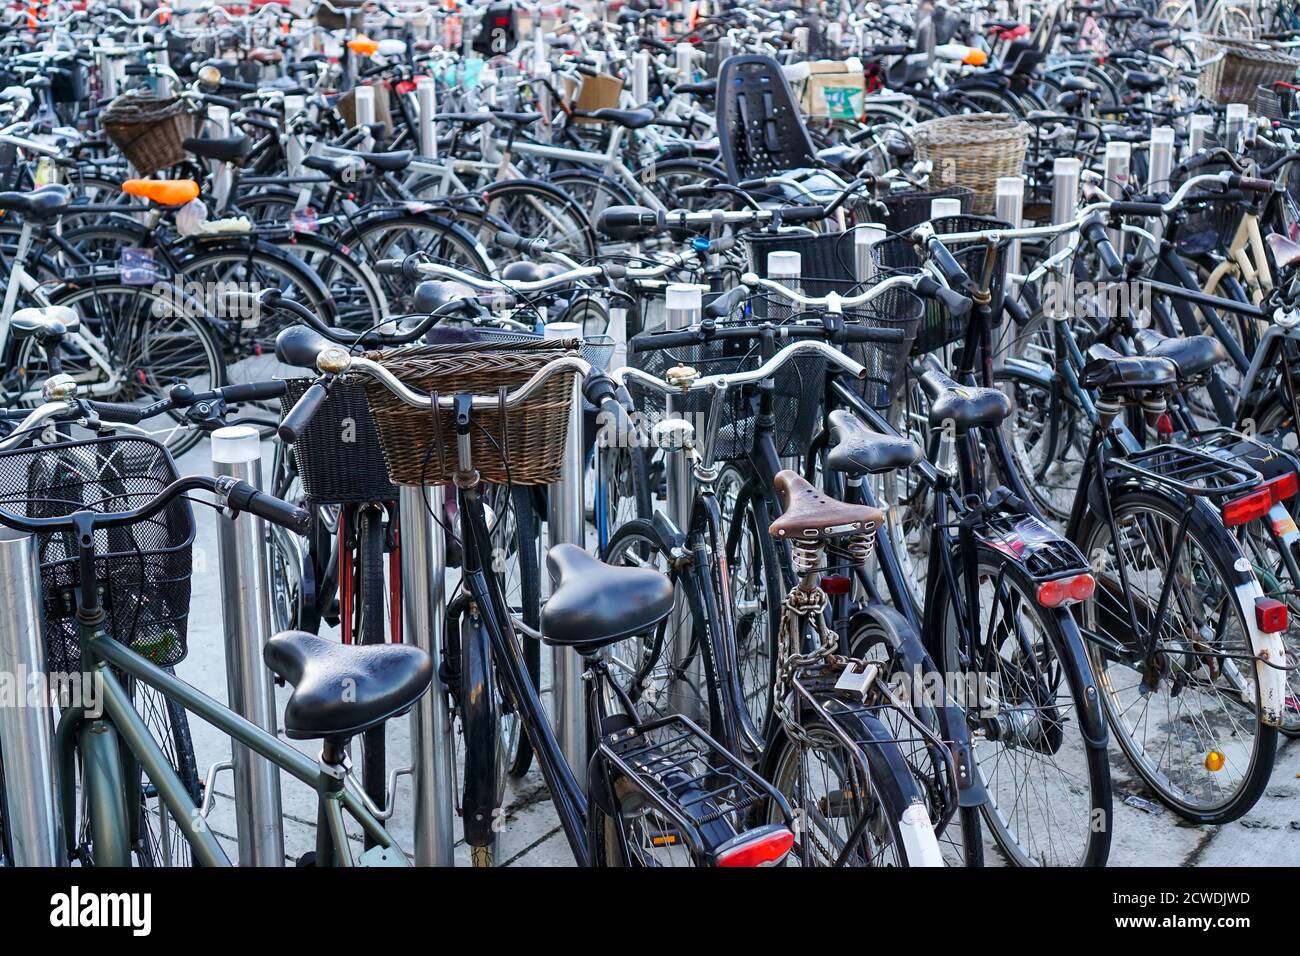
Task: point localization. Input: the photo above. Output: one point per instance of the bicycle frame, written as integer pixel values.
(106, 655)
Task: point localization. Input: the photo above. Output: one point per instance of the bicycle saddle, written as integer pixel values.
(50, 320)
(165, 192)
(594, 604)
(1194, 355)
(465, 119)
(812, 516)
(1143, 82)
(965, 406)
(393, 162)
(1285, 252)
(858, 450)
(1109, 371)
(704, 88)
(39, 204)
(631, 119)
(515, 119)
(228, 149)
(341, 690)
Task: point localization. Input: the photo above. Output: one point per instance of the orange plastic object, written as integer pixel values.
(362, 45)
(975, 57)
(165, 192)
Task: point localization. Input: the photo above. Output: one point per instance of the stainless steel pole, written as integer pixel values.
(1118, 159)
(426, 92)
(566, 524)
(31, 798)
(1065, 193)
(424, 570)
(246, 619)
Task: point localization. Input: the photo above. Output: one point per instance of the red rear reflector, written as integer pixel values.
(835, 584)
(1164, 425)
(1270, 615)
(1078, 587)
(1283, 486)
(1248, 507)
(763, 846)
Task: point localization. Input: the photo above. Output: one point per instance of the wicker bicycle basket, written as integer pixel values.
(142, 570)
(338, 455)
(1239, 68)
(523, 445)
(974, 151)
(149, 130)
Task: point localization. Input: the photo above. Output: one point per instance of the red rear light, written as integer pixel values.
(1248, 507)
(835, 584)
(1270, 615)
(1061, 591)
(1283, 486)
(1164, 425)
(762, 846)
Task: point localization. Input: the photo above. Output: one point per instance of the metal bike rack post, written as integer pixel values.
(865, 238)
(1160, 163)
(246, 618)
(685, 56)
(1065, 193)
(1009, 206)
(566, 524)
(1118, 159)
(426, 93)
(424, 571)
(640, 77)
(1197, 129)
(1237, 116)
(944, 206)
(293, 105)
(364, 100)
(164, 59)
(26, 726)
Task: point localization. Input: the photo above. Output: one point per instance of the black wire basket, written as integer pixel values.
(906, 210)
(338, 455)
(796, 390)
(940, 328)
(142, 570)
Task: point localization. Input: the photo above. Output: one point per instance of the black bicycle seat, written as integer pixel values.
(299, 345)
(51, 321)
(392, 162)
(631, 119)
(1109, 371)
(1194, 355)
(341, 690)
(595, 604)
(1143, 82)
(858, 450)
(964, 405)
(230, 149)
(39, 204)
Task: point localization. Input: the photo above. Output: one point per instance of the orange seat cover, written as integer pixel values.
(362, 45)
(165, 192)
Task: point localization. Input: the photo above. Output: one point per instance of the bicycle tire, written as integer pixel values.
(372, 629)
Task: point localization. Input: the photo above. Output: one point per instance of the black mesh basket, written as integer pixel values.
(797, 388)
(939, 328)
(827, 265)
(338, 455)
(904, 211)
(143, 571)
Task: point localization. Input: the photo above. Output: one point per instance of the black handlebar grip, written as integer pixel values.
(948, 267)
(300, 416)
(599, 388)
(928, 287)
(508, 240)
(1143, 209)
(1095, 233)
(241, 496)
(626, 217)
(1250, 184)
(232, 105)
(253, 391)
(118, 412)
(723, 305)
(585, 70)
(389, 267)
(802, 213)
(871, 333)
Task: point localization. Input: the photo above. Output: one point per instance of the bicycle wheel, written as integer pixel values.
(1047, 433)
(371, 628)
(962, 841)
(1189, 722)
(756, 587)
(622, 489)
(162, 841)
(516, 559)
(153, 338)
(1048, 786)
(833, 799)
(397, 235)
(541, 211)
